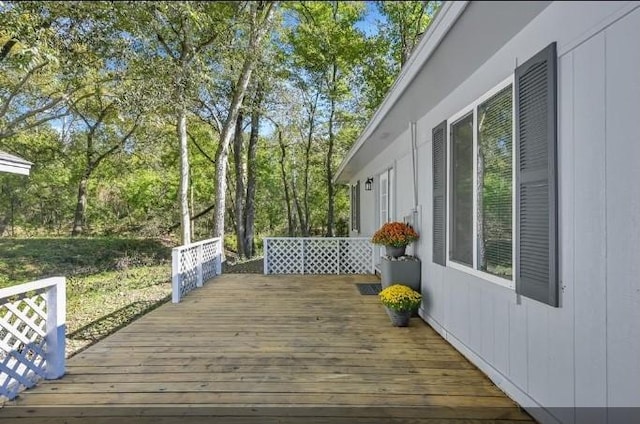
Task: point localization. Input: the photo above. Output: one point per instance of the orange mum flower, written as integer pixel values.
(396, 234)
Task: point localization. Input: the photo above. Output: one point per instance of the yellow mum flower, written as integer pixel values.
(400, 298)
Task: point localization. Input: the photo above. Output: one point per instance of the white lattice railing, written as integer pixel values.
(32, 334)
(193, 264)
(314, 255)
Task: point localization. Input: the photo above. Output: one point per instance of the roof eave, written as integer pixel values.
(14, 164)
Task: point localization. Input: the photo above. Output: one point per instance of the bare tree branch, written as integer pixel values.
(12, 132)
(195, 143)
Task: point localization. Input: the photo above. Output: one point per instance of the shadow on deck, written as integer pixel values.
(268, 349)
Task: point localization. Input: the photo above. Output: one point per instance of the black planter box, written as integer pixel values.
(405, 272)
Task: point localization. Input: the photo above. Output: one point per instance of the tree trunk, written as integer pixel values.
(257, 33)
(329, 163)
(296, 200)
(231, 203)
(250, 207)
(3, 224)
(183, 193)
(285, 183)
(221, 190)
(307, 159)
(81, 206)
(238, 145)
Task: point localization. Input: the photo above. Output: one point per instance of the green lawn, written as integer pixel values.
(110, 281)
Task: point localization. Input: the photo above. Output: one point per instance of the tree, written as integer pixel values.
(398, 33)
(185, 31)
(328, 46)
(125, 107)
(106, 132)
(260, 17)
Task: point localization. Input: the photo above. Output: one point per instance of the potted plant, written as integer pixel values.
(400, 301)
(395, 236)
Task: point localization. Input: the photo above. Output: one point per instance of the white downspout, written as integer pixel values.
(414, 147)
(415, 212)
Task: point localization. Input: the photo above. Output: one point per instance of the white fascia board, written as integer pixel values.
(446, 17)
(14, 168)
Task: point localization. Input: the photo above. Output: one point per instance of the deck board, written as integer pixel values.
(261, 349)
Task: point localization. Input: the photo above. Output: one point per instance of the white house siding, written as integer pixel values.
(622, 193)
(587, 351)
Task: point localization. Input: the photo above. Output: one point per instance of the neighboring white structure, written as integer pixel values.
(511, 140)
(14, 164)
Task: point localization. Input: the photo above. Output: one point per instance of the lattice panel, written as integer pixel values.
(318, 256)
(193, 265)
(355, 256)
(210, 253)
(188, 270)
(321, 256)
(284, 256)
(22, 343)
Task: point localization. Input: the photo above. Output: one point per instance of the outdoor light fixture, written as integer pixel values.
(368, 183)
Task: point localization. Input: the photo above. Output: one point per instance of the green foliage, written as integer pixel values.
(403, 25)
(70, 62)
(110, 281)
(28, 259)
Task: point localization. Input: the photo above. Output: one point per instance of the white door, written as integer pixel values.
(385, 201)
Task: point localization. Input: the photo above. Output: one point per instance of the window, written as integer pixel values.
(355, 207)
(495, 183)
(462, 190)
(481, 186)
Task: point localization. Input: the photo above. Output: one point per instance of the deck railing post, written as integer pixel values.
(338, 261)
(265, 255)
(55, 329)
(302, 252)
(199, 265)
(219, 247)
(175, 275)
(32, 319)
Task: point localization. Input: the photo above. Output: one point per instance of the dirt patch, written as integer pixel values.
(233, 266)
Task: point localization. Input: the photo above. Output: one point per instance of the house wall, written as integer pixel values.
(587, 351)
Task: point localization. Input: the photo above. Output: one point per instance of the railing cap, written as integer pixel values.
(27, 287)
(318, 238)
(196, 244)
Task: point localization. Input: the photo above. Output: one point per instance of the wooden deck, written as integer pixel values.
(268, 349)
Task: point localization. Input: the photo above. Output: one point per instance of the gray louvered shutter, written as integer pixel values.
(439, 148)
(536, 261)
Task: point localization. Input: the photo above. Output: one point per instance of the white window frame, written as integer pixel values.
(473, 107)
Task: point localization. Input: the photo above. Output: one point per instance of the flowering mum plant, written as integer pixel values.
(396, 234)
(400, 298)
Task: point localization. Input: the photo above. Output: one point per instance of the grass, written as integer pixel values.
(110, 281)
